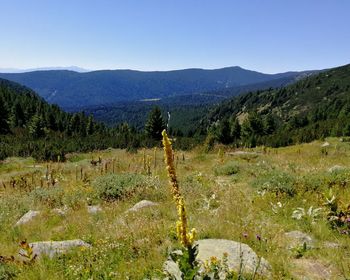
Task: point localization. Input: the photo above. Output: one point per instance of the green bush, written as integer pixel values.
(52, 196)
(229, 168)
(338, 178)
(276, 181)
(310, 182)
(118, 186)
(7, 272)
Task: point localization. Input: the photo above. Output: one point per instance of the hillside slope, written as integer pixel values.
(29, 126)
(311, 108)
(72, 89)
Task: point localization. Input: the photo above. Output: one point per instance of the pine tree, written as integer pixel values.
(36, 126)
(155, 124)
(235, 130)
(4, 127)
(224, 132)
(90, 126)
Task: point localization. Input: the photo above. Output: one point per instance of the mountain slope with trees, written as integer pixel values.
(312, 108)
(32, 127)
(70, 89)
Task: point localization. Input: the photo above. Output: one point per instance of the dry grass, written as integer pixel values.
(135, 245)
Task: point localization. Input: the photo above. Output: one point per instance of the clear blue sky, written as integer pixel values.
(265, 35)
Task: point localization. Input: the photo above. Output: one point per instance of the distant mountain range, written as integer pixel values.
(71, 89)
(18, 70)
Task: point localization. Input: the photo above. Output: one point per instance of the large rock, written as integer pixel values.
(238, 255)
(297, 238)
(52, 248)
(27, 217)
(142, 204)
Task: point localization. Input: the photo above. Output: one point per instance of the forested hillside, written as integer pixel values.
(31, 127)
(72, 89)
(186, 110)
(315, 107)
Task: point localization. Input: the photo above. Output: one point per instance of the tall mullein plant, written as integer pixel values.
(185, 236)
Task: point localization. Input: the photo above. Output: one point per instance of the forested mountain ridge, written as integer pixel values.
(22, 108)
(73, 89)
(186, 110)
(29, 126)
(312, 108)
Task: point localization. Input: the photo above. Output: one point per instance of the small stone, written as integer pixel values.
(297, 238)
(311, 269)
(325, 144)
(172, 270)
(27, 217)
(94, 209)
(336, 168)
(331, 245)
(60, 211)
(142, 204)
(238, 153)
(52, 248)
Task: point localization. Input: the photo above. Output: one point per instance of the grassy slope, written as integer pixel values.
(136, 245)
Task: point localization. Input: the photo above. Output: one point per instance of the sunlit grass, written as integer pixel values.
(217, 205)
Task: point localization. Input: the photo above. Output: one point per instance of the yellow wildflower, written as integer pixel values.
(185, 238)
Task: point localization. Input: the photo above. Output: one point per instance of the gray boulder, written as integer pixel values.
(27, 217)
(142, 204)
(52, 248)
(238, 255)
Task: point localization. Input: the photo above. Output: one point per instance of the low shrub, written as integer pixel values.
(7, 271)
(52, 196)
(338, 178)
(118, 186)
(229, 168)
(310, 182)
(276, 181)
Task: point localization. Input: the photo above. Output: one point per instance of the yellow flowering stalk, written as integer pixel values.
(186, 238)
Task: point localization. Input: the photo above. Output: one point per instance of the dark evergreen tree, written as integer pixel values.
(235, 130)
(224, 132)
(17, 117)
(155, 124)
(36, 126)
(4, 127)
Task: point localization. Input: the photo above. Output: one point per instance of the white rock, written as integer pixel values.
(336, 168)
(142, 204)
(172, 270)
(94, 209)
(60, 211)
(325, 144)
(297, 238)
(238, 255)
(52, 248)
(27, 217)
(331, 245)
